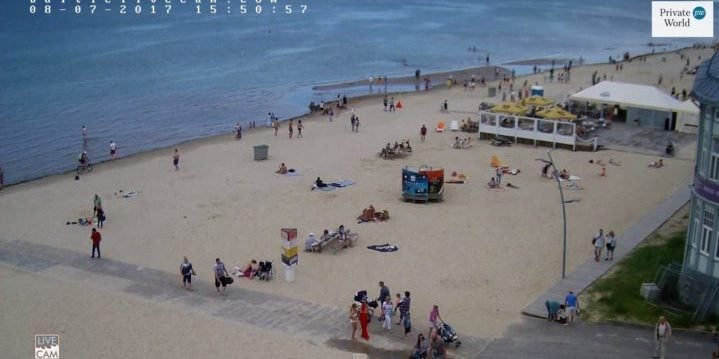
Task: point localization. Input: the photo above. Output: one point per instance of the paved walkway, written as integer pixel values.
(590, 271)
(324, 324)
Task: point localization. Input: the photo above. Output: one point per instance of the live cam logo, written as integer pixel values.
(47, 346)
(682, 19)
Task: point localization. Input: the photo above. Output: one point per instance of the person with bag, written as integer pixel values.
(222, 278)
(186, 271)
(598, 242)
(611, 246)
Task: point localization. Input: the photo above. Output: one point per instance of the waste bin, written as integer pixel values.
(261, 152)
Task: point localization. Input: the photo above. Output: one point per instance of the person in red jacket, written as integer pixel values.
(95, 237)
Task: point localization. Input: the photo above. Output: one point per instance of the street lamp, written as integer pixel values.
(555, 172)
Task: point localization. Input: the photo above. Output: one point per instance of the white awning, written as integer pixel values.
(629, 95)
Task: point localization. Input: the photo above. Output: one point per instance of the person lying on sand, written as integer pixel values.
(367, 214)
(248, 271)
(657, 164)
(282, 170)
(564, 174)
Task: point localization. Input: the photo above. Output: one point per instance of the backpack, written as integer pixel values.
(594, 240)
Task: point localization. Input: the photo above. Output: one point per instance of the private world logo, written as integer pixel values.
(682, 19)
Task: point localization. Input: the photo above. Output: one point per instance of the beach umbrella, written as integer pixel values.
(509, 108)
(556, 113)
(536, 101)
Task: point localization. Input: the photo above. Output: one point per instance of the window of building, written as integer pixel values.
(714, 160)
(716, 250)
(695, 231)
(707, 230)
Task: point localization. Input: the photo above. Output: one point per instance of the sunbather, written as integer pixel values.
(249, 270)
(319, 184)
(564, 174)
(311, 243)
(282, 170)
(658, 164)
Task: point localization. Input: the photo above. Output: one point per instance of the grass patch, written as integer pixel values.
(616, 295)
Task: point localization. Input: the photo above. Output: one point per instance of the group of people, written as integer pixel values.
(600, 241)
(462, 143)
(369, 214)
(314, 244)
(359, 316)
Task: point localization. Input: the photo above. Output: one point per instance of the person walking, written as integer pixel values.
(176, 159)
(95, 238)
(391, 104)
(352, 122)
(436, 345)
(499, 175)
(186, 271)
(299, 128)
(113, 149)
(384, 294)
(387, 314)
(96, 204)
(404, 306)
(276, 126)
(385, 102)
(662, 332)
(357, 124)
(100, 217)
(332, 114)
(434, 319)
(220, 276)
(611, 246)
(598, 242)
(423, 132)
(354, 318)
(571, 302)
(238, 131)
(291, 129)
(364, 320)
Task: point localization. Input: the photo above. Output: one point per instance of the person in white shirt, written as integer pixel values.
(113, 149)
(598, 242)
(662, 332)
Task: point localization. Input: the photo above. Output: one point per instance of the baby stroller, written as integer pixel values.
(361, 297)
(447, 333)
(265, 271)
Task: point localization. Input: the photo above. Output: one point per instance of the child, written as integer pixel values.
(388, 312)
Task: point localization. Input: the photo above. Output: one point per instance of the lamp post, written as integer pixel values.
(555, 173)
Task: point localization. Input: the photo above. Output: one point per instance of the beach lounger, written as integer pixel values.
(454, 126)
(440, 126)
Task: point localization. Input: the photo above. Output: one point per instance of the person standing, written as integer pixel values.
(364, 320)
(357, 123)
(571, 302)
(95, 237)
(291, 130)
(332, 114)
(275, 125)
(186, 271)
(385, 102)
(113, 149)
(499, 176)
(299, 128)
(598, 242)
(352, 122)
(220, 276)
(662, 332)
(423, 132)
(354, 318)
(176, 159)
(383, 295)
(387, 312)
(611, 246)
(436, 345)
(434, 317)
(96, 204)
(404, 306)
(238, 131)
(100, 217)
(391, 104)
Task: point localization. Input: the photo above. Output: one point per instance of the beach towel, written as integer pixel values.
(341, 183)
(571, 178)
(131, 194)
(326, 189)
(294, 173)
(383, 247)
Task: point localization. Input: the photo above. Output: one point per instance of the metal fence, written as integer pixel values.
(684, 290)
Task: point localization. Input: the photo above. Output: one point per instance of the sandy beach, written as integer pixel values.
(480, 254)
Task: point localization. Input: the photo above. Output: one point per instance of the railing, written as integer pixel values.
(535, 129)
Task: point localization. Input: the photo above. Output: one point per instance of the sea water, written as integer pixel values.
(148, 81)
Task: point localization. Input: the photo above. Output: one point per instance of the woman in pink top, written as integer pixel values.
(433, 316)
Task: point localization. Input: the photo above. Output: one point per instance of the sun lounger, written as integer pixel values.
(332, 241)
(454, 126)
(440, 126)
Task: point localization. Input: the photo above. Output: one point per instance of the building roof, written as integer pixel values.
(629, 95)
(706, 82)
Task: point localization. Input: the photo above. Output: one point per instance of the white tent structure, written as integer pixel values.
(644, 105)
(688, 118)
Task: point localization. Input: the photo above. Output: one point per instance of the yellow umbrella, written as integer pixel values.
(556, 113)
(509, 108)
(536, 101)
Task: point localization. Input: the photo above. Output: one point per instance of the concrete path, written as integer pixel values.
(590, 271)
(537, 338)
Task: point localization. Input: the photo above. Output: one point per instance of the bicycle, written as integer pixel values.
(82, 168)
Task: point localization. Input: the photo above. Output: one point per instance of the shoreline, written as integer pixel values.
(459, 75)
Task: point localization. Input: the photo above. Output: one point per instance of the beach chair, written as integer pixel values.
(454, 126)
(440, 126)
